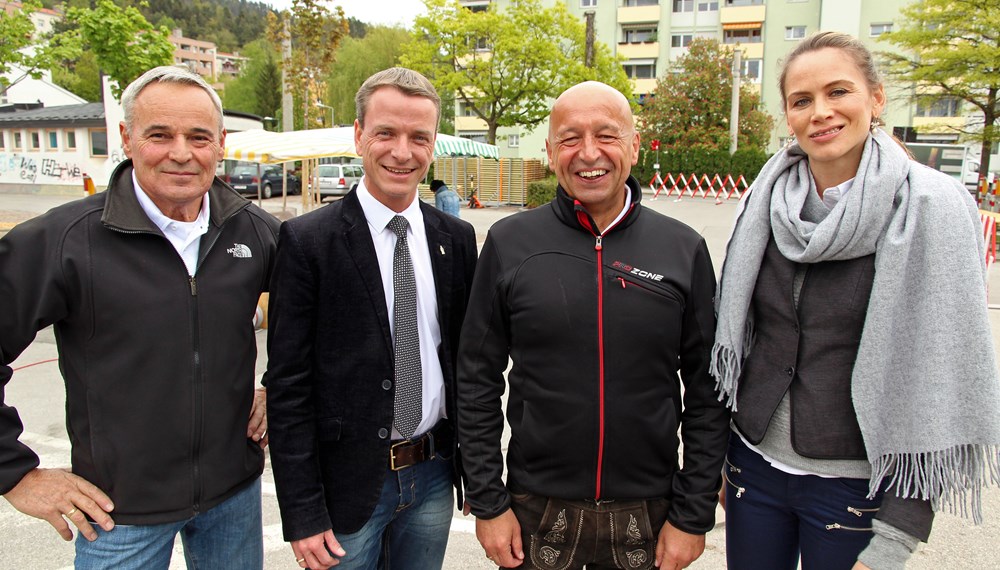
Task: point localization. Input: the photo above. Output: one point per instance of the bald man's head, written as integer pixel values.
(589, 92)
(592, 144)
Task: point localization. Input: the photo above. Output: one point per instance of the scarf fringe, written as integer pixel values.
(951, 479)
(724, 366)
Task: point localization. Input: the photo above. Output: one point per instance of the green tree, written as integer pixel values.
(123, 42)
(315, 33)
(951, 48)
(82, 76)
(690, 107)
(358, 59)
(257, 89)
(20, 50)
(506, 66)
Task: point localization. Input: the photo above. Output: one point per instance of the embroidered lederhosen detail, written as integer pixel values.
(633, 548)
(554, 544)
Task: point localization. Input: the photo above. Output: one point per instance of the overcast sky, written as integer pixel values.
(387, 12)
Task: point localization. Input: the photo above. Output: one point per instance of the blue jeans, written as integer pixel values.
(772, 517)
(227, 536)
(409, 528)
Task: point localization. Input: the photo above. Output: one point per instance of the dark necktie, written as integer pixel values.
(407, 409)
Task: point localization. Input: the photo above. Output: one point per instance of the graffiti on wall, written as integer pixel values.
(17, 167)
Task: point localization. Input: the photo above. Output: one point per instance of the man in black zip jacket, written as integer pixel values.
(600, 303)
(151, 287)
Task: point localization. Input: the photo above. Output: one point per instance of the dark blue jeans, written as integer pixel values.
(772, 517)
(409, 528)
(226, 537)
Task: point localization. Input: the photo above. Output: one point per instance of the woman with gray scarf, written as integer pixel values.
(853, 344)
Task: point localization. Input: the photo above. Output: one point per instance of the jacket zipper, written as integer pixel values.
(584, 220)
(198, 396)
(600, 359)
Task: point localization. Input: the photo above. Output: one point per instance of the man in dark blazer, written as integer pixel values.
(357, 485)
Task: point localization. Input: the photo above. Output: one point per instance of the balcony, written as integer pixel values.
(644, 50)
(638, 14)
(750, 51)
(469, 124)
(640, 86)
(734, 14)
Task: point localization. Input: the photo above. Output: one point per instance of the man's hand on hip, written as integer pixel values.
(676, 548)
(318, 552)
(501, 539)
(51, 494)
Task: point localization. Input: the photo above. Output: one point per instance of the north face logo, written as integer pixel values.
(239, 250)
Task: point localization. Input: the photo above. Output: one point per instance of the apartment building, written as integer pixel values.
(199, 56)
(651, 34)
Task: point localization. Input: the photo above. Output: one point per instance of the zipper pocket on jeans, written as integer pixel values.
(739, 490)
(837, 526)
(860, 512)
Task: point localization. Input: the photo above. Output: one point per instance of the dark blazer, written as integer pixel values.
(330, 359)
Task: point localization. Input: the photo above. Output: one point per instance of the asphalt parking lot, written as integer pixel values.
(37, 392)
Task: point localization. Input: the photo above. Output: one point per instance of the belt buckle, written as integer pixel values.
(392, 454)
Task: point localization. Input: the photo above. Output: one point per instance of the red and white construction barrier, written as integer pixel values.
(704, 187)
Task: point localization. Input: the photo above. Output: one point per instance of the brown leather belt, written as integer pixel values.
(409, 452)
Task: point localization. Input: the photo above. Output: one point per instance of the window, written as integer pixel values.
(3, 145)
(639, 35)
(70, 140)
(479, 44)
(631, 3)
(99, 142)
(879, 29)
(741, 36)
(51, 140)
(683, 5)
(795, 32)
(588, 3)
(17, 140)
(751, 69)
(939, 107)
(681, 40)
(36, 140)
(708, 6)
(465, 109)
(744, 2)
(513, 141)
(640, 69)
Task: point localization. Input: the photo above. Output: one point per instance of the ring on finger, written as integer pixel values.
(71, 511)
(300, 560)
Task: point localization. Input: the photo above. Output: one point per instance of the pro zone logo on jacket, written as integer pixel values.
(621, 266)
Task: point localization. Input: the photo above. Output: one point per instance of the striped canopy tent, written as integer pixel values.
(272, 148)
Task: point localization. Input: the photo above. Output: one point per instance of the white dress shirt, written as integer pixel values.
(184, 236)
(378, 216)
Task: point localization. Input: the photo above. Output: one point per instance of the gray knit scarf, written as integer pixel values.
(925, 383)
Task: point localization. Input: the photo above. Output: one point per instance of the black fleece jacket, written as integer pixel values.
(598, 327)
(158, 365)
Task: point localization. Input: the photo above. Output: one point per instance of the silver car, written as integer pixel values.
(338, 179)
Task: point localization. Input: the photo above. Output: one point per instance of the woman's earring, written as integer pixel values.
(789, 142)
(876, 123)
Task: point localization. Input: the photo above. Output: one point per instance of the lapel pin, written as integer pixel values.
(441, 247)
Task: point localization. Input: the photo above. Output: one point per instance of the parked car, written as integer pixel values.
(338, 179)
(244, 180)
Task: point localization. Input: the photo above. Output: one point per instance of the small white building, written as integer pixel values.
(49, 149)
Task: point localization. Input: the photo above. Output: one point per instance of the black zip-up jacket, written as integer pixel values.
(158, 365)
(598, 327)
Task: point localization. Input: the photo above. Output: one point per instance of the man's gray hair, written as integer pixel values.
(166, 74)
(410, 82)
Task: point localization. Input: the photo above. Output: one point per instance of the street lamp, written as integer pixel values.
(332, 123)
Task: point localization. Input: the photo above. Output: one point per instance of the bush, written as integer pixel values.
(541, 192)
(698, 161)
